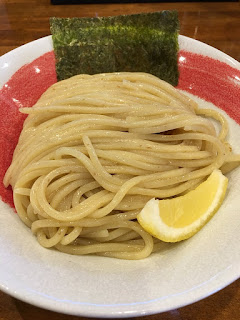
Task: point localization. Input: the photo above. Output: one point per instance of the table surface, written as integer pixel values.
(216, 24)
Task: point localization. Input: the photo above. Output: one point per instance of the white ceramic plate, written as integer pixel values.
(102, 287)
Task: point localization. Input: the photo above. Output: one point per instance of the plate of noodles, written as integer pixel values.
(81, 250)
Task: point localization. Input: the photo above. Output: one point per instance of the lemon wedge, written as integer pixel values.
(179, 218)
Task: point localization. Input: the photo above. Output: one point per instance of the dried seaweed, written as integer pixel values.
(146, 42)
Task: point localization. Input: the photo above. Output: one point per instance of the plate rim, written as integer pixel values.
(47, 40)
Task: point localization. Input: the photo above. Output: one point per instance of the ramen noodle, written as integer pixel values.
(94, 149)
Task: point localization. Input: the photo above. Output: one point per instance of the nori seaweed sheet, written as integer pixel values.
(146, 42)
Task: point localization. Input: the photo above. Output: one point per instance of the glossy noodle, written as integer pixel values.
(95, 149)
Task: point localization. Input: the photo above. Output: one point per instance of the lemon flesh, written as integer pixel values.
(177, 219)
